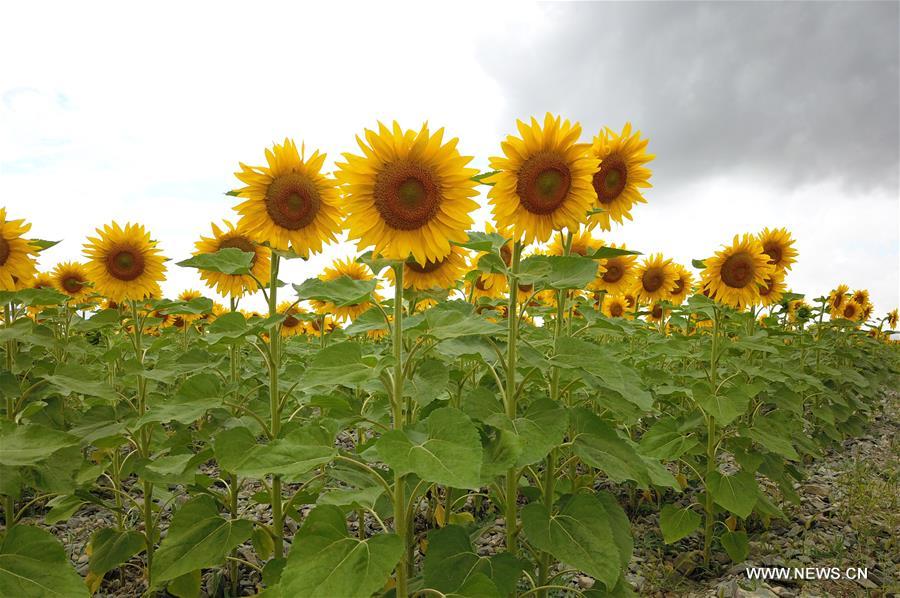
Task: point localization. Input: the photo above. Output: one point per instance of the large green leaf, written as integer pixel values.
(429, 381)
(110, 548)
(736, 544)
(29, 444)
(196, 395)
(230, 260)
(737, 493)
(677, 523)
(341, 364)
(580, 535)
(772, 433)
(444, 448)
(76, 379)
(724, 406)
(539, 429)
(455, 319)
(451, 563)
(611, 372)
(33, 564)
(198, 537)
(298, 452)
(342, 291)
(558, 272)
(665, 440)
(598, 445)
(326, 561)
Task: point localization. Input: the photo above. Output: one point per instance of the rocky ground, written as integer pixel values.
(849, 516)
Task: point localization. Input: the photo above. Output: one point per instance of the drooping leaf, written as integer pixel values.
(598, 445)
(737, 492)
(198, 537)
(230, 260)
(677, 523)
(341, 291)
(293, 455)
(33, 564)
(326, 561)
(110, 548)
(736, 545)
(29, 444)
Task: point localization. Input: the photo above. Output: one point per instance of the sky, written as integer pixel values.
(759, 114)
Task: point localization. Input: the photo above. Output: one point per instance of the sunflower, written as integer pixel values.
(850, 310)
(488, 285)
(338, 269)
(292, 325)
(377, 334)
(616, 306)
(124, 264)
(409, 194)
(657, 313)
(892, 318)
(491, 284)
(583, 243)
(779, 246)
(315, 326)
(861, 296)
(684, 282)
(289, 202)
(42, 280)
(837, 296)
(70, 278)
(423, 304)
(798, 310)
(17, 264)
(234, 285)
(654, 279)
(439, 274)
(618, 275)
(621, 175)
(736, 272)
(771, 291)
(865, 313)
(543, 181)
(181, 320)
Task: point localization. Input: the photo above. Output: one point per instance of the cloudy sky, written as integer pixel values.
(760, 114)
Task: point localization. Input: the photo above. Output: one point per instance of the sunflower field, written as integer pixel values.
(365, 431)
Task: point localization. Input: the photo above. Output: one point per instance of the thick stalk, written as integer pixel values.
(145, 436)
(400, 521)
(275, 407)
(233, 482)
(512, 474)
(711, 442)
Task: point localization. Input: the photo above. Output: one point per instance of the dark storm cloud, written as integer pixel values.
(793, 92)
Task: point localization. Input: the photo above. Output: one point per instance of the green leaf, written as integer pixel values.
(598, 445)
(774, 435)
(558, 272)
(111, 548)
(610, 252)
(29, 444)
(724, 407)
(342, 291)
(451, 563)
(664, 440)
(481, 176)
(737, 493)
(69, 379)
(487, 242)
(227, 327)
(33, 564)
(340, 364)
(230, 260)
(298, 452)
(539, 430)
(699, 264)
(599, 361)
(677, 523)
(736, 545)
(196, 395)
(42, 244)
(429, 381)
(186, 586)
(580, 535)
(33, 297)
(456, 319)
(326, 561)
(198, 537)
(444, 448)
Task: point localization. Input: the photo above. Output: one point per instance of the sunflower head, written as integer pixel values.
(293, 323)
(409, 194)
(70, 278)
(323, 324)
(893, 318)
(17, 254)
(289, 202)
(621, 175)
(684, 282)
(442, 273)
(861, 296)
(736, 272)
(772, 290)
(657, 313)
(654, 279)
(123, 263)
(616, 306)
(618, 275)
(778, 245)
(849, 310)
(338, 269)
(837, 297)
(543, 181)
(237, 238)
(42, 280)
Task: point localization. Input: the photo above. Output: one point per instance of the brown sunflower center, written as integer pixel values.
(290, 322)
(614, 272)
(679, 286)
(849, 311)
(292, 201)
(543, 183)
(241, 243)
(526, 288)
(766, 289)
(4, 250)
(407, 195)
(656, 311)
(773, 250)
(429, 266)
(125, 264)
(480, 284)
(738, 270)
(72, 284)
(506, 254)
(610, 180)
(653, 279)
(616, 310)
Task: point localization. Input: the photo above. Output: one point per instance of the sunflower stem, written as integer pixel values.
(274, 406)
(711, 443)
(144, 439)
(512, 474)
(400, 520)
